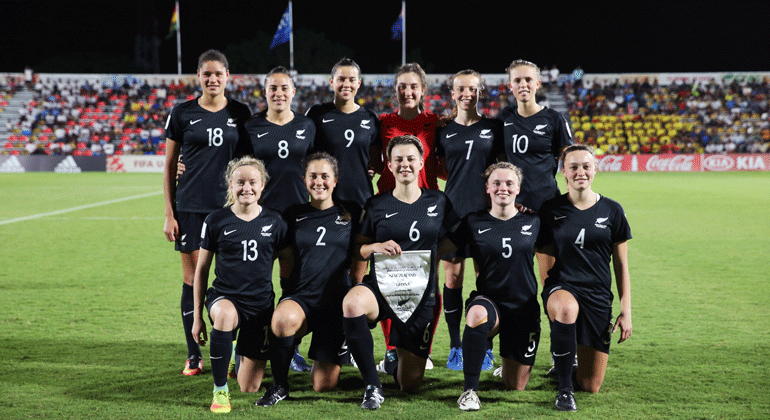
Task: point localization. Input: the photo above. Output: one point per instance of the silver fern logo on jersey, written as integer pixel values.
(600, 222)
(525, 230)
(265, 230)
(432, 211)
(365, 124)
(231, 122)
(485, 134)
(539, 129)
(301, 134)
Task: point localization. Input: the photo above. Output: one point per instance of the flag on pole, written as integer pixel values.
(174, 22)
(398, 28)
(284, 29)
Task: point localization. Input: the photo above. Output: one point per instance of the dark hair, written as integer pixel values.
(280, 70)
(346, 62)
(213, 55)
(577, 148)
(344, 214)
(405, 140)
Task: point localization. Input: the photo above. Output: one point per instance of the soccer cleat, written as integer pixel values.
(232, 371)
(455, 360)
(298, 363)
(389, 364)
(192, 371)
(469, 401)
(565, 401)
(489, 361)
(272, 396)
(372, 397)
(221, 403)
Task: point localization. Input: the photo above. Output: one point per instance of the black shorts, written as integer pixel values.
(190, 226)
(252, 326)
(519, 329)
(325, 322)
(417, 338)
(594, 324)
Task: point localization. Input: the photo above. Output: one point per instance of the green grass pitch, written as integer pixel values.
(90, 325)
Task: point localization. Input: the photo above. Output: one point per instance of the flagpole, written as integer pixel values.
(178, 42)
(291, 37)
(403, 33)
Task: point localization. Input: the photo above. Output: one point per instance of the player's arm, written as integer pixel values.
(623, 281)
(545, 261)
(170, 226)
(364, 247)
(200, 284)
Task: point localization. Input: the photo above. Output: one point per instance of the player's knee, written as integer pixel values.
(589, 385)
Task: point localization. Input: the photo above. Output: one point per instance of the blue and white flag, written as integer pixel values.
(398, 28)
(284, 29)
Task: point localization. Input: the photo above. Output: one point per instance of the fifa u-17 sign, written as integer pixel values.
(402, 280)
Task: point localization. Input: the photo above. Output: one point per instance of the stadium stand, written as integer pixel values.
(70, 114)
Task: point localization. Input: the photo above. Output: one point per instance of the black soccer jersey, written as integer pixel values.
(283, 149)
(349, 138)
(415, 227)
(503, 250)
(534, 144)
(321, 242)
(468, 151)
(209, 140)
(244, 253)
(583, 242)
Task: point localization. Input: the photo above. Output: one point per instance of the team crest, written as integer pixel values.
(231, 122)
(265, 230)
(365, 124)
(431, 211)
(341, 221)
(525, 230)
(600, 222)
(301, 134)
(539, 129)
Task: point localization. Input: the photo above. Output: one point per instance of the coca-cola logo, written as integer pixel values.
(718, 163)
(680, 163)
(610, 163)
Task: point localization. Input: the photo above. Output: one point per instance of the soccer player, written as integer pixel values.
(348, 132)
(408, 218)
(534, 135)
(281, 139)
(245, 237)
(502, 241)
(320, 242)
(208, 131)
(587, 232)
(465, 146)
(413, 119)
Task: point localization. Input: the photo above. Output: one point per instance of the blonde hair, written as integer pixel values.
(518, 63)
(237, 163)
(503, 165)
(479, 86)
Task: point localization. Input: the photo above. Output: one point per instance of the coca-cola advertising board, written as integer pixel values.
(683, 163)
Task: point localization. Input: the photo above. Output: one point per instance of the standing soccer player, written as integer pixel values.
(320, 243)
(465, 146)
(208, 132)
(587, 232)
(408, 218)
(348, 132)
(502, 242)
(534, 136)
(244, 237)
(281, 139)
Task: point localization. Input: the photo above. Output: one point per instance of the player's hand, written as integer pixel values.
(199, 332)
(390, 248)
(179, 169)
(171, 229)
(624, 323)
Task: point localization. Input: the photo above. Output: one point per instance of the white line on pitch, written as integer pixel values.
(87, 206)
